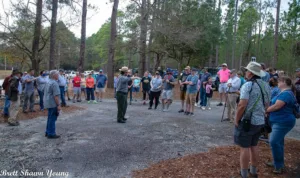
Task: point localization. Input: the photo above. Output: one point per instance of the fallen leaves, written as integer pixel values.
(223, 162)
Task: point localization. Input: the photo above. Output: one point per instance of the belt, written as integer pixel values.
(124, 93)
(232, 92)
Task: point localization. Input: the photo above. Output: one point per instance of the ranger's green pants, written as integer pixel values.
(122, 105)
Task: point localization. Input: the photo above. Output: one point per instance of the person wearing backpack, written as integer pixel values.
(282, 121)
(250, 117)
(13, 96)
(5, 86)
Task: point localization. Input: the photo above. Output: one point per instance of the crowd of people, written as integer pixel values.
(255, 97)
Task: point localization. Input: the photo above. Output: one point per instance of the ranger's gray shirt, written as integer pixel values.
(122, 84)
(51, 90)
(258, 114)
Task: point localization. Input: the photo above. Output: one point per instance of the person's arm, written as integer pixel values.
(56, 94)
(278, 105)
(56, 98)
(244, 97)
(240, 110)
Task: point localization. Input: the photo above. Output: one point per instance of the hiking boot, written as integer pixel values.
(220, 104)
(53, 136)
(121, 121)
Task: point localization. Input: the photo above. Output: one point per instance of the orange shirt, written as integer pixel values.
(90, 82)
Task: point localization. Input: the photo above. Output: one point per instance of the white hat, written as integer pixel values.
(224, 64)
(124, 69)
(255, 68)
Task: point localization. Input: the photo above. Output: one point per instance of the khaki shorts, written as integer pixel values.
(191, 98)
(182, 95)
(100, 90)
(167, 94)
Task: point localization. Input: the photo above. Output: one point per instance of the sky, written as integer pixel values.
(96, 19)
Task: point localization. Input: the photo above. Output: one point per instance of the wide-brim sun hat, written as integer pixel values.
(124, 69)
(224, 64)
(255, 68)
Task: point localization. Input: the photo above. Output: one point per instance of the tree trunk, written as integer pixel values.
(234, 35)
(111, 51)
(83, 36)
(275, 58)
(36, 37)
(53, 34)
(143, 38)
(217, 56)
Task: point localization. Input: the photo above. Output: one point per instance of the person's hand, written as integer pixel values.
(236, 123)
(58, 108)
(167, 81)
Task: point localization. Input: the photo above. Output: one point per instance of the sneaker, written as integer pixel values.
(69, 99)
(89, 102)
(150, 108)
(270, 164)
(181, 110)
(199, 106)
(278, 171)
(74, 101)
(144, 103)
(192, 114)
(165, 110)
(186, 113)
(203, 108)
(14, 124)
(220, 104)
(196, 104)
(209, 108)
(95, 102)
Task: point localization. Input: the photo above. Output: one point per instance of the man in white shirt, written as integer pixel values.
(233, 86)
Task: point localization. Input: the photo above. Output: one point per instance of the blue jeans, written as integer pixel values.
(41, 95)
(90, 94)
(203, 99)
(52, 117)
(130, 93)
(279, 130)
(115, 94)
(6, 106)
(62, 95)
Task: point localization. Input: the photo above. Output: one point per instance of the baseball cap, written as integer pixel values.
(224, 64)
(100, 70)
(187, 67)
(298, 70)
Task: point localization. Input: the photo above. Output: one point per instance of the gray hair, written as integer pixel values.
(53, 73)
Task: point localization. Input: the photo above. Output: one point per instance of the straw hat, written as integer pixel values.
(187, 68)
(255, 68)
(124, 69)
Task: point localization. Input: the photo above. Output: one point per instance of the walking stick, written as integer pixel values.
(226, 98)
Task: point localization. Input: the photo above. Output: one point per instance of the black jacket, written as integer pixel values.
(13, 91)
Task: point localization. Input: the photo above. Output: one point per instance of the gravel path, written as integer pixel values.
(93, 144)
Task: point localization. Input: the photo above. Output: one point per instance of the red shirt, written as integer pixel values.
(90, 82)
(76, 81)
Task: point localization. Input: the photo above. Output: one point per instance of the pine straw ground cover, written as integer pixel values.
(38, 113)
(223, 162)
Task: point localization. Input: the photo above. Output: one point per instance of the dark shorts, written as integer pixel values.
(247, 139)
(182, 95)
